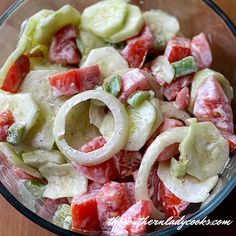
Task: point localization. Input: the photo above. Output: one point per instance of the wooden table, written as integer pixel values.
(12, 223)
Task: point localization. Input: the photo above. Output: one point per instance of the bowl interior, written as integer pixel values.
(195, 17)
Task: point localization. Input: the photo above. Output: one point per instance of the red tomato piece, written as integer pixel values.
(177, 49)
(63, 49)
(201, 51)
(231, 139)
(169, 123)
(6, 120)
(133, 81)
(130, 188)
(112, 201)
(94, 186)
(75, 81)
(137, 212)
(153, 181)
(182, 99)
(84, 212)
(16, 74)
(137, 48)
(121, 165)
(22, 174)
(170, 91)
(212, 105)
(170, 204)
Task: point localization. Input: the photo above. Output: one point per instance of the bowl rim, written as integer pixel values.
(213, 203)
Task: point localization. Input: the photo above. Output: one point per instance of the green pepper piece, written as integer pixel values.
(178, 168)
(62, 216)
(35, 187)
(115, 85)
(138, 98)
(185, 66)
(15, 133)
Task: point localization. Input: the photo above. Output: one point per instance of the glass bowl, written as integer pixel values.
(195, 17)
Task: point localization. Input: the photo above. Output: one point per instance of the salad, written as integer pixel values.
(111, 113)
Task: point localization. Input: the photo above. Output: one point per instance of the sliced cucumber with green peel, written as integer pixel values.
(206, 150)
(35, 187)
(15, 133)
(8, 151)
(47, 26)
(105, 17)
(132, 26)
(200, 77)
(163, 26)
(23, 106)
(108, 59)
(41, 157)
(63, 214)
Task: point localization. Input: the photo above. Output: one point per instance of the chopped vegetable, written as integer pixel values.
(132, 25)
(105, 18)
(201, 51)
(108, 59)
(62, 216)
(15, 133)
(163, 26)
(137, 48)
(212, 105)
(162, 70)
(231, 139)
(177, 49)
(75, 81)
(63, 49)
(178, 168)
(35, 187)
(114, 85)
(50, 24)
(85, 212)
(96, 113)
(188, 189)
(16, 74)
(182, 99)
(206, 150)
(138, 98)
(6, 120)
(63, 181)
(185, 66)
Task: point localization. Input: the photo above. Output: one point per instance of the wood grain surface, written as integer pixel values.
(12, 223)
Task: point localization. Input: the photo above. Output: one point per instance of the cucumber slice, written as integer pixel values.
(107, 126)
(63, 181)
(47, 26)
(200, 77)
(132, 26)
(35, 187)
(206, 150)
(163, 26)
(88, 41)
(108, 59)
(41, 135)
(141, 119)
(188, 188)
(138, 98)
(62, 214)
(15, 133)
(8, 151)
(41, 157)
(96, 115)
(23, 107)
(105, 18)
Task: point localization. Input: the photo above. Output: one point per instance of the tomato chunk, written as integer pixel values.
(212, 105)
(182, 99)
(112, 201)
(131, 82)
(137, 48)
(84, 212)
(130, 188)
(170, 91)
(201, 51)
(75, 81)
(231, 139)
(22, 174)
(63, 49)
(121, 165)
(170, 204)
(177, 49)
(16, 74)
(136, 212)
(6, 120)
